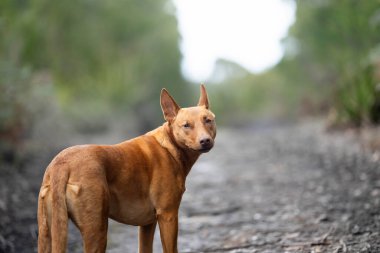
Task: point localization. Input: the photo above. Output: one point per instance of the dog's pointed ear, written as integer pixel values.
(168, 105)
(203, 100)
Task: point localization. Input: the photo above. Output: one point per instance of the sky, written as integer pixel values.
(247, 32)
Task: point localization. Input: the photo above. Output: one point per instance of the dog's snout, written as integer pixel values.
(206, 144)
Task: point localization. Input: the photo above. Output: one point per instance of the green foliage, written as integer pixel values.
(335, 41)
(102, 58)
(121, 52)
(356, 98)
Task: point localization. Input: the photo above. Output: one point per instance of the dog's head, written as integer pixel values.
(193, 128)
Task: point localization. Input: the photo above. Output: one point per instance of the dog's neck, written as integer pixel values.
(185, 157)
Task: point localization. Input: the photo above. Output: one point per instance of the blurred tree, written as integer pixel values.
(103, 58)
(334, 43)
(119, 52)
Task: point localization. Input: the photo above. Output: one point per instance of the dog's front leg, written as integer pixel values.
(168, 223)
(146, 235)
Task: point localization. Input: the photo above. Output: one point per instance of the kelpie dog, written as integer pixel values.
(138, 182)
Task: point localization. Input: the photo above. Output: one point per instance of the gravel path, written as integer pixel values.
(273, 189)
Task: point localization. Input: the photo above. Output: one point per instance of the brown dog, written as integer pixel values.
(138, 182)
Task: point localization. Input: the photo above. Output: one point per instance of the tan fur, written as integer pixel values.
(137, 182)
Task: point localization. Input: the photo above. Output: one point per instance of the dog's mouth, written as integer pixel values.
(205, 150)
(201, 150)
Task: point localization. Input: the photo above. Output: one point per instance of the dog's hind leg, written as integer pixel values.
(95, 237)
(88, 208)
(146, 236)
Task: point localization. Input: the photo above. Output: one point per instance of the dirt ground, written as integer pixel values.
(273, 188)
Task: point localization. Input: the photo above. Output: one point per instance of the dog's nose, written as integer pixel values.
(205, 142)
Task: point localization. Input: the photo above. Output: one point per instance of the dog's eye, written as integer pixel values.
(186, 125)
(207, 120)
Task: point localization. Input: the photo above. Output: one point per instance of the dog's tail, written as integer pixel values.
(53, 234)
(44, 239)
